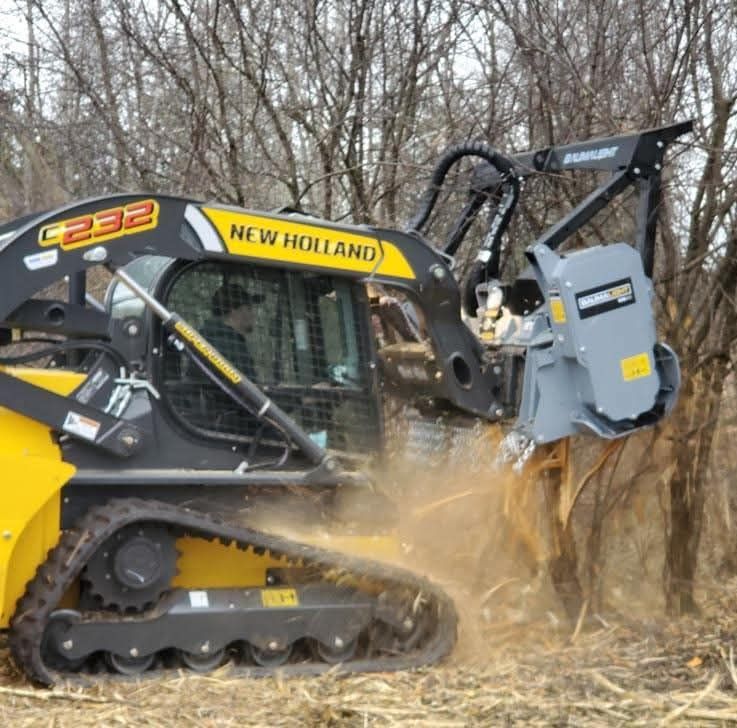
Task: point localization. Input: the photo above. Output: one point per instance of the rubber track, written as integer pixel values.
(76, 546)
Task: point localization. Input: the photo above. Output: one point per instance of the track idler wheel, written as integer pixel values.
(53, 643)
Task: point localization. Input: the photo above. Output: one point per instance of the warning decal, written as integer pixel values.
(636, 367)
(279, 598)
(44, 259)
(557, 310)
(81, 426)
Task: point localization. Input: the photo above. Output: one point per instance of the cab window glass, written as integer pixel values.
(120, 300)
(300, 337)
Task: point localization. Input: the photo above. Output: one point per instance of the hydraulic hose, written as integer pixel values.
(487, 260)
(453, 155)
(58, 347)
(488, 257)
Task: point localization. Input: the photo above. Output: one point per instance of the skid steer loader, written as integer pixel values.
(240, 358)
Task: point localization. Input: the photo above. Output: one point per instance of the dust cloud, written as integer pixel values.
(474, 528)
(479, 533)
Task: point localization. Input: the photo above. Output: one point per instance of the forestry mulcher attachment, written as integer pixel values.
(240, 359)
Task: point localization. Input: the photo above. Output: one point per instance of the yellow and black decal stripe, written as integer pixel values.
(207, 351)
(302, 243)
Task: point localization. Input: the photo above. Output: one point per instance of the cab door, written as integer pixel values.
(301, 337)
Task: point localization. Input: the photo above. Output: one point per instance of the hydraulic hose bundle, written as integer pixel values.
(488, 257)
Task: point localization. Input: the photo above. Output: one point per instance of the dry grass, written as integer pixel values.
(612, 673)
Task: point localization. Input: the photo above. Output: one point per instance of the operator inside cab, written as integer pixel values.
(233, 319)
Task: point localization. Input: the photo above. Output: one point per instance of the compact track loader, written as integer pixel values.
(239, 359)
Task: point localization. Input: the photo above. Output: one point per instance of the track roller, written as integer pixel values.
(128, 665)
(340, 651)
(202, 662)
(270, 656)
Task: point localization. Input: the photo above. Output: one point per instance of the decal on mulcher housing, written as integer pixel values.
(557, 308)
(605, 298)
(636, 367)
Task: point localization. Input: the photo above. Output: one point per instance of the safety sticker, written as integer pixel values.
(81, 426)
(636, 367)
(558, 310)
(198, 600)
(605, 298)
(279, 598)
(46, 259)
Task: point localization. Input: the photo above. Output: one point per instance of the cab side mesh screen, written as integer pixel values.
(300, 337)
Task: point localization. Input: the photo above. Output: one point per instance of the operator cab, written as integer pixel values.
(301, 337)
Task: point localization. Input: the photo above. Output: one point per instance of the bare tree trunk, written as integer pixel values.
(563, 563)
(684, 528)
(689, 481)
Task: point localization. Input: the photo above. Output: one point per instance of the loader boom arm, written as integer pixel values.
(69, 241)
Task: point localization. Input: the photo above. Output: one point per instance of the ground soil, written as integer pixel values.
(606, 672)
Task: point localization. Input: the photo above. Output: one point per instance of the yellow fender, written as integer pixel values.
(29, 523)
(33, 475)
